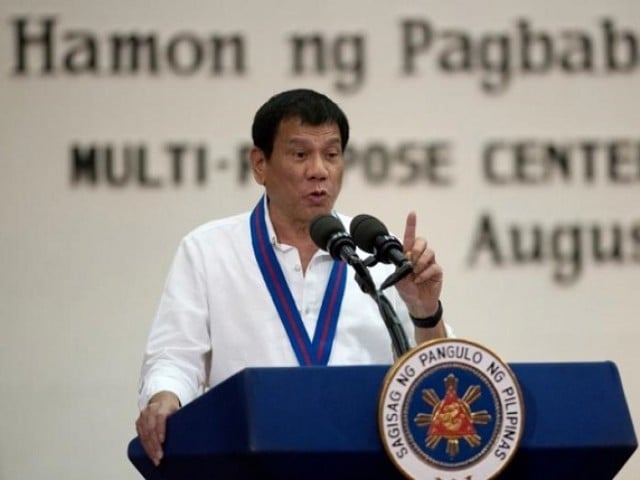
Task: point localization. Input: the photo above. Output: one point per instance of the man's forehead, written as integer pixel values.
(294, 129)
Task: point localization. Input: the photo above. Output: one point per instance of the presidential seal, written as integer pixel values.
(450, 409)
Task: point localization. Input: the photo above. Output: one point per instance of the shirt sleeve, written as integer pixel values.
(178, 349)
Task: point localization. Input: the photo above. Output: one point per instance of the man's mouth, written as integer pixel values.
(319, 193)
(318, 196)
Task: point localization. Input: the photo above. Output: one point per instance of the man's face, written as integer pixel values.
(304, 174)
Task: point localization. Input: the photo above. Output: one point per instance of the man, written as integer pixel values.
(255, 290)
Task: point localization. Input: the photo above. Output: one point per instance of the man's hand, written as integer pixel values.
(421, 289)
(152, 422)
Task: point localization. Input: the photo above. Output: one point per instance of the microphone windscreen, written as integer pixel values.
(365, 229)
(323, 227)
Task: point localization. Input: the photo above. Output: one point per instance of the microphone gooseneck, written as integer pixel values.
(328, 233)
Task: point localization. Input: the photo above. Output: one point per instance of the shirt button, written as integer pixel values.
(297, 268)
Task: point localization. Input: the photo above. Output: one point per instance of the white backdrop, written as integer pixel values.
(529, 112)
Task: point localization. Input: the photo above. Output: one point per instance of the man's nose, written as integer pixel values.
(317, 167)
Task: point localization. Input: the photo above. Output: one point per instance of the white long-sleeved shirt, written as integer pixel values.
(216, 316)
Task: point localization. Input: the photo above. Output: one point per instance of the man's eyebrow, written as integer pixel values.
(300, 140)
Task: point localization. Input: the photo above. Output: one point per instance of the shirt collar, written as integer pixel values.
(272, 232)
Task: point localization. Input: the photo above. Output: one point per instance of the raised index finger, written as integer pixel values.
(410, 232)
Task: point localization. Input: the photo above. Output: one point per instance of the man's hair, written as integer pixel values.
(312, 108)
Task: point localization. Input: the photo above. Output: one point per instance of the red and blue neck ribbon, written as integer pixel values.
(308, 352)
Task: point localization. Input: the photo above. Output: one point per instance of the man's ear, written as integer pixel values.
(258, 164)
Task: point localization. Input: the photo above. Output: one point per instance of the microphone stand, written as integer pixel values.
(398, 336)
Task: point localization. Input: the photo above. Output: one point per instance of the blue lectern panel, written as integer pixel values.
(319, 423)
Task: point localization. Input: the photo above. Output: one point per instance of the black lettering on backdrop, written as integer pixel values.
(567, 247)
(320, 55)
(44, 48)
(181, 153)
(130, 52)
(117, 167)
(177, 163)
(406, 163)
(245, 171)
(131, 164)
(544, 162)
(496, 57)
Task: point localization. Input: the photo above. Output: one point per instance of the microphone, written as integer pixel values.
(328, 233)
(372, 236)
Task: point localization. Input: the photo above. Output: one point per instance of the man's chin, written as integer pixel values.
(322, 209)
(313, 213)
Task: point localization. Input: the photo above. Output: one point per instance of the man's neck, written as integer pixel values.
(295, 234)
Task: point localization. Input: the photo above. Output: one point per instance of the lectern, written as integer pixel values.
(321, 423)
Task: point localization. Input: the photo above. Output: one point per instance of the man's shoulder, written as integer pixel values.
(219, 226)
